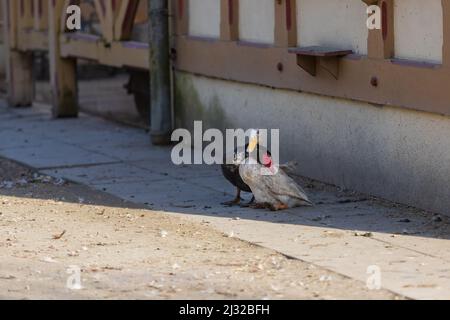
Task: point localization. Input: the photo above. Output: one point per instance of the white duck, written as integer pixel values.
(270, 185)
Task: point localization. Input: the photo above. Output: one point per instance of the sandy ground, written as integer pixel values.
(50, 229)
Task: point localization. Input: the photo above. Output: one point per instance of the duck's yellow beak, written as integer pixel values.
(252, 145)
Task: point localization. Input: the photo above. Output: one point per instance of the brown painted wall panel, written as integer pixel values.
(416, 86)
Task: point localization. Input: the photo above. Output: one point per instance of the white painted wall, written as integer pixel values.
(257, 21)
(334, 23)
(418, 30)
(204, 18)
(398, 154)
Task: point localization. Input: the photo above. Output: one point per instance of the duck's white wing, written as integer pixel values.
(283, 185)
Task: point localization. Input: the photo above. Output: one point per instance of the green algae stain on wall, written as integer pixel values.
(189, 106)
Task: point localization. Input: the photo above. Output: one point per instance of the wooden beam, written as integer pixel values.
(124, 21)
(410, 84)
(10, 22)
(308, 58)
(285, 23)
(32, 40)
(40, 15)
(19, 65)
(446, 31)
(19, 69)
(26, 14)
(380, 43)
(63, 79)
(105, 14)
(64, 14)
(182, 17)
(229, 20)
(78, 45)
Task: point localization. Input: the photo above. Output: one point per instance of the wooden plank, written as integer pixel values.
(126, 13)
(90, 47)
(63, 79)
(319, 51)
(19, 70)
(380, 43)
(181, 16)
(286, 23)
(446, 40)
(10, 22)
(64, 14)
(327, 58)
(229, 20)
(40, 14)
(25, 14)
(105, 14)
(32, 40)
(420, 87)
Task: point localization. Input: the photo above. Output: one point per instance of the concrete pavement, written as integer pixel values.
(346, 232)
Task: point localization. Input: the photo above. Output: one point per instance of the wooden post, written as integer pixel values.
(26, 14)
(105, 13)
(40, 15)
(286, 23)
(19, 65)
(63, 78)
(381, 42)
(182, 17)
(124, 19)
(229, 20)
(446, 31)
(160, 89)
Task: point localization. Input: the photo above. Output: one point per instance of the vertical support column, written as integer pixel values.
(182, 17)
(124, 19)
(229, 20)
(110, 21)
(285, 23)
(40, 15)
(26, 9)
(106, 16)
(446, 32)
(160, 80)
(380, 44)
(63, 78)
(19, 65)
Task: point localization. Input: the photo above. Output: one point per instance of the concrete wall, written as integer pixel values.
(334, 23)
(394, 153)
(418, 30)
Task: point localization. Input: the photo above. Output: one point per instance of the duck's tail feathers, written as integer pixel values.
(289, 167)
(304, 199)
(308, 203)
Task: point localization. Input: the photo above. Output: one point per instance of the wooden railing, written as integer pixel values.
(40, 25)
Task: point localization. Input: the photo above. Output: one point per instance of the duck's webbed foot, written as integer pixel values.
(279, 207)
(236, 200)
(232, 203)
(259, 206)
(247, 205)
